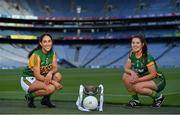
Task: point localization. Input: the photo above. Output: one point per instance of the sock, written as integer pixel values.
(47, 96)
(135, 96)
(31, 94)
(155, 95)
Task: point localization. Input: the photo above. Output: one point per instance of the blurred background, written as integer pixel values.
(90, 34)
(92, 42)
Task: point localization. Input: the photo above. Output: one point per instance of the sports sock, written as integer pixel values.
(31, 94)
(155, 95)
(135, 96)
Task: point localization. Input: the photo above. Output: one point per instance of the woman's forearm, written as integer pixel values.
(146, 78)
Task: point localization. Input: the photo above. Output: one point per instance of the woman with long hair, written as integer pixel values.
(41, 76)
(141, 74)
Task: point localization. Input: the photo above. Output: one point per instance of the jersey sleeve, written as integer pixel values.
(34, 61)
(150, 60)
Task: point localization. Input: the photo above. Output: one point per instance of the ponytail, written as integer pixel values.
(31, 52)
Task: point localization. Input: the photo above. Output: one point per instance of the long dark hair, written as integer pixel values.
(39, 46)
(143, 41)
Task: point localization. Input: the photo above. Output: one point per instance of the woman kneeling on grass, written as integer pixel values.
(141, 74)
(41, 76)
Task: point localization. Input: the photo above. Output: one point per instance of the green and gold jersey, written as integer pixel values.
(42, 60)
(140, 65)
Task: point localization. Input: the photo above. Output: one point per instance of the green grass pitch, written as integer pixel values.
(115, 94)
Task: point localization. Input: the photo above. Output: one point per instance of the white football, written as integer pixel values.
(90, 102)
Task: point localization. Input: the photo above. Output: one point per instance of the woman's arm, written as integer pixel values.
(129, 71)
(37, 74)
(34, 65)
(127, 67)
(54, 65)
(151, 75)
(53, 70)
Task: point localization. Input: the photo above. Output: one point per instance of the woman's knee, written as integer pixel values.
(57, 85)
(124, 77)
(57, 77)
(127, 83)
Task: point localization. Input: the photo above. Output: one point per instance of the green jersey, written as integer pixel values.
(40, 59)
(140, 65)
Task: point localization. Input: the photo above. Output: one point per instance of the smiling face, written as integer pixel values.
(46, 44)
(136, 44)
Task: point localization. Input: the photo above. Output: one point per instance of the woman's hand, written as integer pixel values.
(48, 78)
(134, 77)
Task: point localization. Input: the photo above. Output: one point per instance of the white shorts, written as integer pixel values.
(26, 82)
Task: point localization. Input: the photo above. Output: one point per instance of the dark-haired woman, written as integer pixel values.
(141, 74)
(41, 76)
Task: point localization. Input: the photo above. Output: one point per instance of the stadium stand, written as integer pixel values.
(94, 56)
(68, 8)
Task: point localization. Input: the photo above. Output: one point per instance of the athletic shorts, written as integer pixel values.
(26, 82)
(160, 82)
